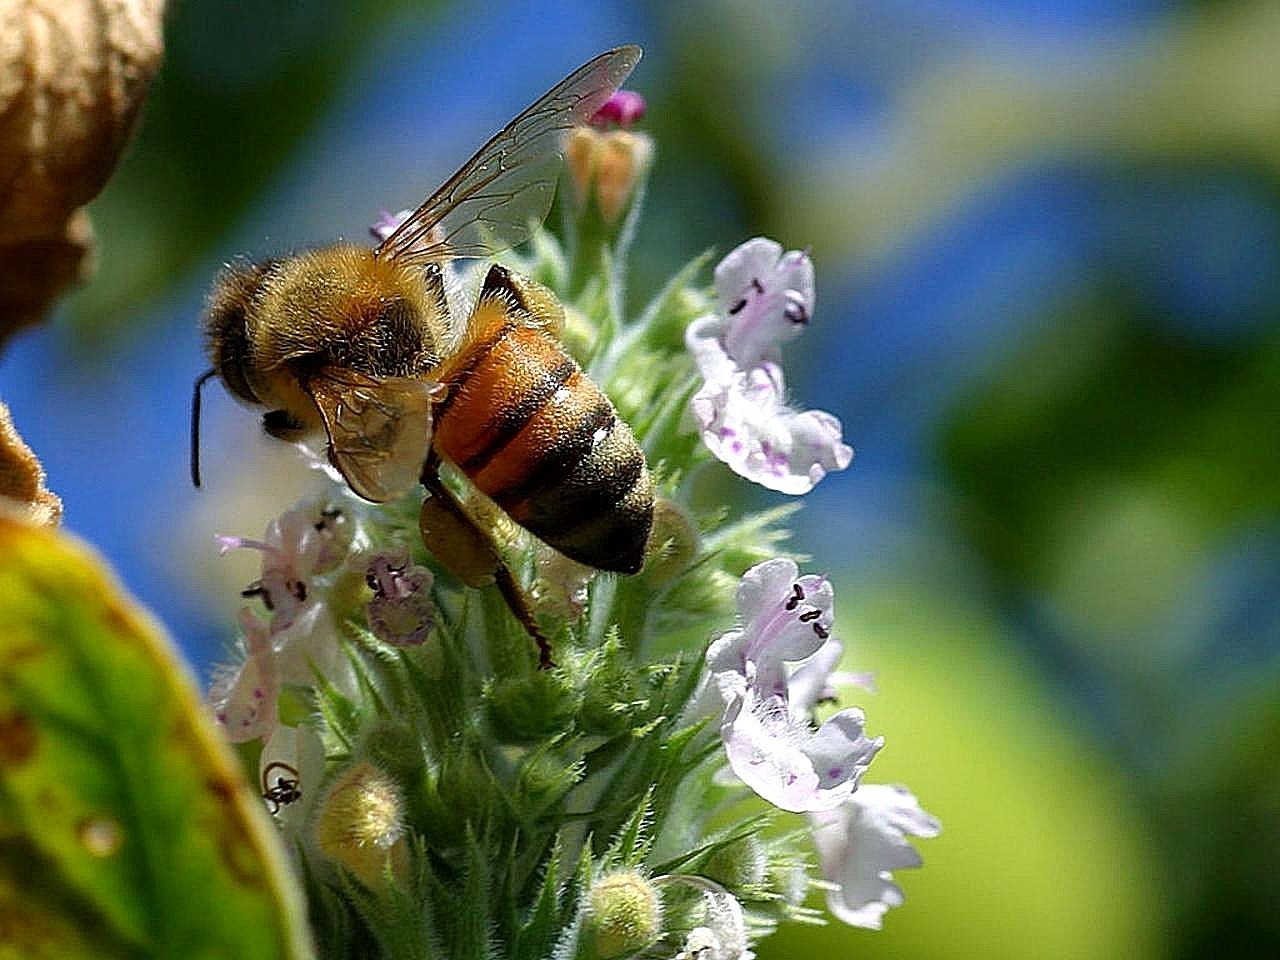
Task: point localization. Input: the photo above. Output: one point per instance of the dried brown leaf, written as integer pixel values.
(22, 477)
(73, 76)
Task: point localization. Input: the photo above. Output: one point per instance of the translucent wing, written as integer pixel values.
(379, 429)
(491, 203)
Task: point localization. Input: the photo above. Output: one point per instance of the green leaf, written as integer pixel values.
(632, 843)
(126, 829)
(663, 320)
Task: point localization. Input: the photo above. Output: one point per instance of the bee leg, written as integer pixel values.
(519, 604)
(541, 305)
(471, 555)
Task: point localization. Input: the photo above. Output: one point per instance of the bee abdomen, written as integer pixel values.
(600, 510)
(535, 434)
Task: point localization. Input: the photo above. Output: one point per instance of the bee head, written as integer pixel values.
(227, 341)
(225, 325)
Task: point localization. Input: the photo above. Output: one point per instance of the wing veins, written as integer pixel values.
(528, 140)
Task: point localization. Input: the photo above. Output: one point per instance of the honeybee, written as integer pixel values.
(360, 342)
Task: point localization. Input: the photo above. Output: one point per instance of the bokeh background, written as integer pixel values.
(1047, 237)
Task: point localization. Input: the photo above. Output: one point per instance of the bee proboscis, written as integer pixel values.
(360, 342)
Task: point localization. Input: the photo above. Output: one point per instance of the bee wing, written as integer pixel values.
(379, 429)
(506, 189)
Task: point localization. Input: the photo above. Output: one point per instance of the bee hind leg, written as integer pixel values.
(462, 545)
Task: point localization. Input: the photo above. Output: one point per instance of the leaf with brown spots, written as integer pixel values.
(126, 828)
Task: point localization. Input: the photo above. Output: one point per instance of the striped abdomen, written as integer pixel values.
(532, 432)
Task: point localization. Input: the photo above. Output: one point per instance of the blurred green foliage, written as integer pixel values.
(1114, 399)
(126, 829)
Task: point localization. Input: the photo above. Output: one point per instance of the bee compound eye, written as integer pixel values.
(281, 424)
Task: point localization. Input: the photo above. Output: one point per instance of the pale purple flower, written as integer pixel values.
(311, 537)
(770, 742)
(765, 298)
(784, 616)
(387, 223)
(300, 641)
(746, 423)
(401, 612)
(624, 108)
(784, 760)
(861, 842)
(244, 701)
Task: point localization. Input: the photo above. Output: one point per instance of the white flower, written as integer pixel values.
(244, 701)
(770, 742)
(723, 933)
(860, 842)
(765, 298)
(783, 759)
(300, 641)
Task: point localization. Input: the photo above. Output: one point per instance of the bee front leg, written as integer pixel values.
(454, 538)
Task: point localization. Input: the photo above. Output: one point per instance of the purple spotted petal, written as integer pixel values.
(745, 423)
(765, 298)
(244, 703)
(789, 764)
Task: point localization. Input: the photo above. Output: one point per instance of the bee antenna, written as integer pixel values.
(195, 423)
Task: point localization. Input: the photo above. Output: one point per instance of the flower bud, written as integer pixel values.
(530, 707)
(612, 163)
(626, 914)
(360, 824)
(673, 542)
(624, 108)
(738, 865)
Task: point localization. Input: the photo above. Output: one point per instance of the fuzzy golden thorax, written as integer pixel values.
(272, 323)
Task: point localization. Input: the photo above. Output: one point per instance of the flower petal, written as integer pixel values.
(310, 646)
(861, 842)
(765, 758)
(779, 757)
(745, 424)
(841, 751)
(812, 682)
(245, 704)
(765, 297)
(703, 338)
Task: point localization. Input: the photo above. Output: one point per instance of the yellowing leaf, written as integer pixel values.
(126, 828)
